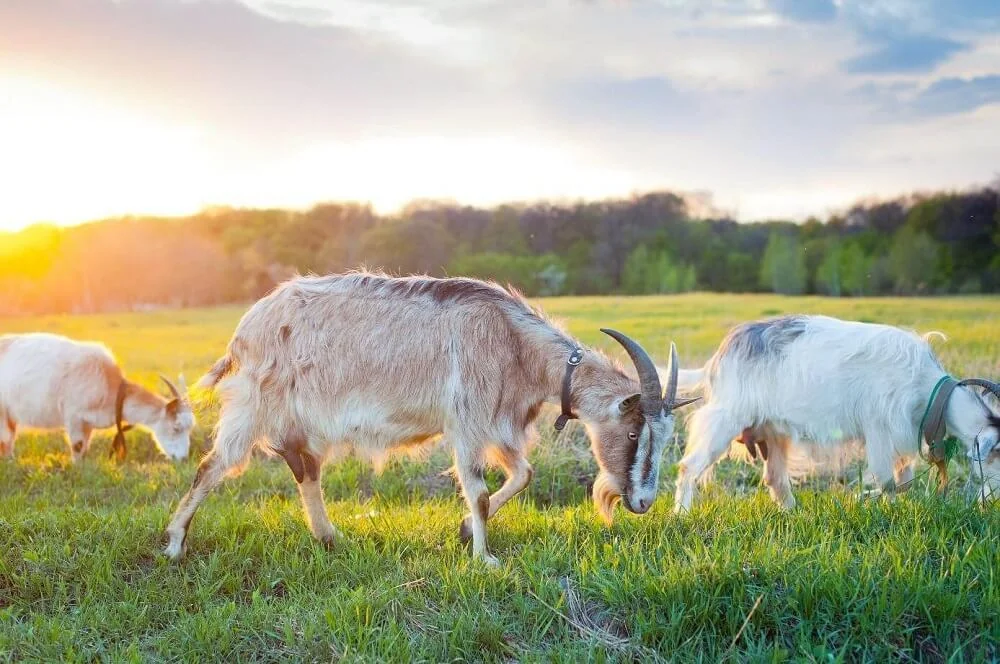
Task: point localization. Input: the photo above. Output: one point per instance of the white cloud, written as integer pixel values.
(753, 100)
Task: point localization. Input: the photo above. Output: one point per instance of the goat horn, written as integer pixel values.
(671, 394)
(982, 382)
(649, 380)
(173, 388)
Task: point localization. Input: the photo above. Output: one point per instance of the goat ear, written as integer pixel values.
(173, 406)
(629, 404)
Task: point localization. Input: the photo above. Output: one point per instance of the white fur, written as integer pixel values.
(839, 382)
(46, 379)
(49, 381)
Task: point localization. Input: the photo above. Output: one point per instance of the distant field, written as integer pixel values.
(838, 579)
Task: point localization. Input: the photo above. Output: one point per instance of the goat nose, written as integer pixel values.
(642, 506)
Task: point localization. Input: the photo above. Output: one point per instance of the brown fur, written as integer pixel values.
(483, 503)
(384, 363)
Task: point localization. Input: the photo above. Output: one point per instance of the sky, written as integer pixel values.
(767, 108)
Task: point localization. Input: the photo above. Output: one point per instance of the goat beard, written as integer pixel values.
(606, 497)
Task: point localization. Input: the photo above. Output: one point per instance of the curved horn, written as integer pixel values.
(649, 379)
(173, 388)
(982, 382)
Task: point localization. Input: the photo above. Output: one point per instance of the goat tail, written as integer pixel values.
(691, 381)
(222, 367)
(927, 336)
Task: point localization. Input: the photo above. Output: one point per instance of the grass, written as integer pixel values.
(837, 579)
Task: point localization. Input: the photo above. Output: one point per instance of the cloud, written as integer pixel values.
(810, 11)
(906, 54)
(253, 79)
(298, 13)
(908, 101)
(648, 103)
(745, 97)
(948, 96)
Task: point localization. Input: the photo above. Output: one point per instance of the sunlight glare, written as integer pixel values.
(390, 172)
(65, 158)
(68, 159)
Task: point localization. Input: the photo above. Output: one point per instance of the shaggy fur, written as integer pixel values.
(375, 364)
(48, 381)
(819, 384)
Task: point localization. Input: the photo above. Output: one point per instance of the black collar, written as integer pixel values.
(118, 444)
(572, 363)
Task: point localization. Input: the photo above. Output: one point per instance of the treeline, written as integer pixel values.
(940, 243)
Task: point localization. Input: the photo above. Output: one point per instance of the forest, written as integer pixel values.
(921, 244)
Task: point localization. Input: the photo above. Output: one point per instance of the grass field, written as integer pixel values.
(837, 579)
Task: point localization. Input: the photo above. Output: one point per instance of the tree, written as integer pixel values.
(912, 261)
(855, 270)
(783, 268)
(532, 275)
(407, 246)
(635, 270)
(829, 277)
(651, 273)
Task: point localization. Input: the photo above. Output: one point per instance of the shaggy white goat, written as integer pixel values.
(48, 381)
(820, 382)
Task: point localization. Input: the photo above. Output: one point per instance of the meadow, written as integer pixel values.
(837, 579)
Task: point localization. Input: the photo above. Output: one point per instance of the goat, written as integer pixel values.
(821, 382)
(49, 381)
(373, 363)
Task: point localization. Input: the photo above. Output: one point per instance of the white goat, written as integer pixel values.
(819, 381)
(374, 363)
(49, 381)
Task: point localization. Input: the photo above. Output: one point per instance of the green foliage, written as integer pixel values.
(653, 273)
(845, 270)
(855, 269)
(532, 275)
(407, 246)
(836, 579)
(944, 243)
(783, 268)
(913, 261)
(830, 273)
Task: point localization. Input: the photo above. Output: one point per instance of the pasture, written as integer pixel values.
(837, 579)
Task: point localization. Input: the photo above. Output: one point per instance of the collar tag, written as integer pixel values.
(574, 360)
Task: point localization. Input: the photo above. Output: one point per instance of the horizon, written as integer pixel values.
(166, 108)
(701, 202)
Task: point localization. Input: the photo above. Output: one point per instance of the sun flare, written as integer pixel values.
(67, 158)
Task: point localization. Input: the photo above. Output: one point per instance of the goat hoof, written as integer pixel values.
(329, 542)
(465, 531)
(786, 504)
(175, 553)
(490, 560)
(176, 548)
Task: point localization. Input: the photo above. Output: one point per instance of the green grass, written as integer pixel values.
(837, 579)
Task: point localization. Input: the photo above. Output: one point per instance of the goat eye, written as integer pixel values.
(632, 435)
